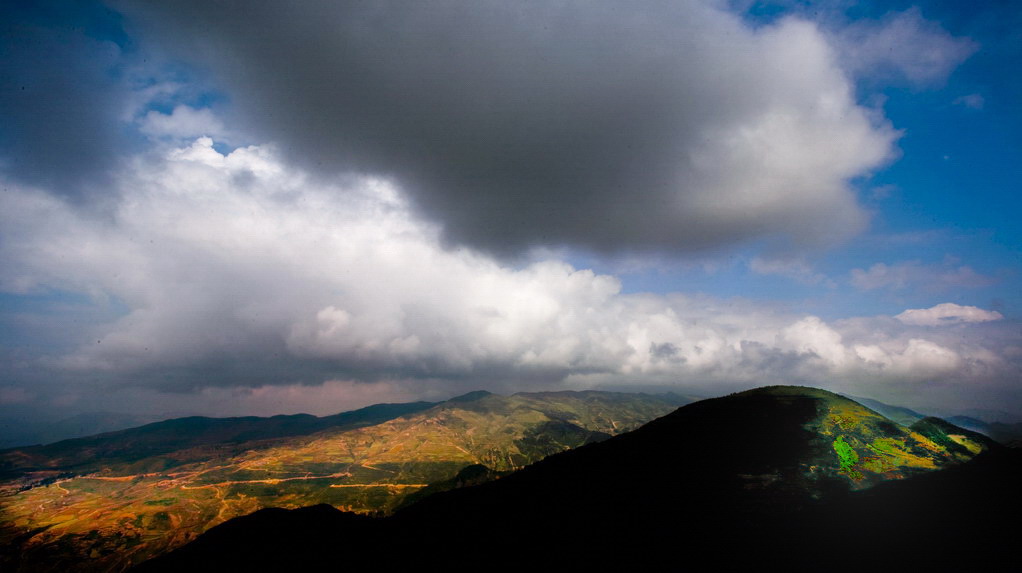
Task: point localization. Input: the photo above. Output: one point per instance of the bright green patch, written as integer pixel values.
(845, 453)
(847, 458)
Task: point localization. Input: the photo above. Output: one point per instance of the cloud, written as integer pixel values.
(947, 313)
(184, 122)
(321, 399)
(971, 101)
(902, 46)
(933, 277)
(240, 271)
(659, 126)
(62, 102)
(15, 395)
(351, 257)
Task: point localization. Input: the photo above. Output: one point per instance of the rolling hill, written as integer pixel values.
(105, 502)
(123, 447)
(793, 478)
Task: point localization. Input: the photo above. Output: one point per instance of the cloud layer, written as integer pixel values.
(394, 167)
(238, 270)
(62, 106)
(646, 127)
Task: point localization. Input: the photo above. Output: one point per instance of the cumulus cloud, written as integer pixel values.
(947, 313)
(523, 125)
(351, 257)
(184, 122)
(239, 271)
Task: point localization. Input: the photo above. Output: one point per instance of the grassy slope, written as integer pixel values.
(142, 506)
(869, 448)
(123, 447)
(899, 414)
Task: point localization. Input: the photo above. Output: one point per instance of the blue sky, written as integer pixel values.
(217, 209)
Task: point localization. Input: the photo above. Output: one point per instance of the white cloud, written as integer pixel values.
(240, 271)
(947, 313)
(183, 122)
(902, 45)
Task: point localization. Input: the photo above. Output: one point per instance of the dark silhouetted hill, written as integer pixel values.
(778, 478)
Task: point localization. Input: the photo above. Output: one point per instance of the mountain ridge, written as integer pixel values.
(144, 506)
(740, 480)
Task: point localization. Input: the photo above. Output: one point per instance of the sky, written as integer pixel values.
(234, 208)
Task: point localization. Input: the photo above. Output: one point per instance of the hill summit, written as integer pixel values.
(849, 440)
(795, 477)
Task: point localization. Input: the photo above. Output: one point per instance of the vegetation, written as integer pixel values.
(866, 448)
(727, 481)
(848, 458)
(70, 514)
(107, 516)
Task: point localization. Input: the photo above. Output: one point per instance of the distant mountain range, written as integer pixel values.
(1000, 426)
(21, 431)
(104, 502)
(781, 478)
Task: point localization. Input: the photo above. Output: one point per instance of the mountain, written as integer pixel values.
(1009, 434)
(785, 477)
(986, 416)
(20, 432)
(899, 414)
(95, 453)
(1004, 432)
(105, 502)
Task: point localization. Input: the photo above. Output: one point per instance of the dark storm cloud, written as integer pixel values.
(607, 125)
(61, 94)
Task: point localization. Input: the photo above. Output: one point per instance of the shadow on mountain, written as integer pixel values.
(723, 483)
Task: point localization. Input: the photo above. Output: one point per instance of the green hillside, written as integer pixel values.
(863, 448)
